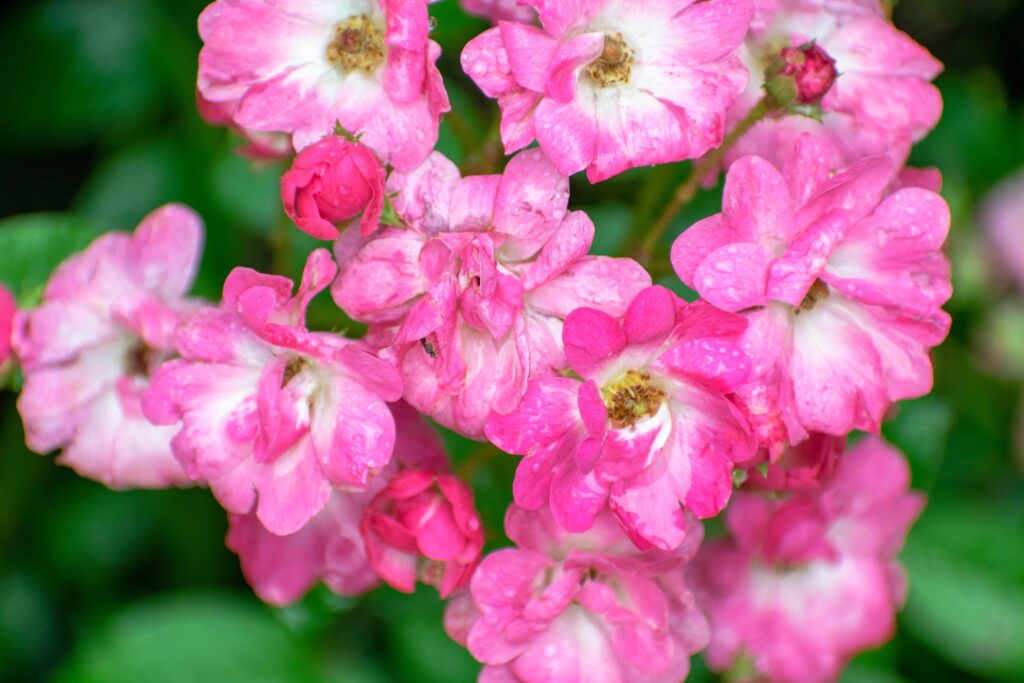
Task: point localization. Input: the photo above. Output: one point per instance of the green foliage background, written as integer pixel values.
(98, 126)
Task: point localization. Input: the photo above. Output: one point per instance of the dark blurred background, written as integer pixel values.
(99, 126)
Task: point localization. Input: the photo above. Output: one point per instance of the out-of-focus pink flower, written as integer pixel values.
(607, 86)
(259, 146)
(106, 322)
(331, 181)
(882, 101)
(424, 526)
(646, 428)
(805, 467)
(805, 583)
(471, 296)
(1003, 219)
(329, 547)
(564, 608)
(843, 288)
(299, 68)
(500, 10)
(273, 415)
(8, 308)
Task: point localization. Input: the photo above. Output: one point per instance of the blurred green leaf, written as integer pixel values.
(85, 70)
(32, 245)
(133, 182)
(421, 650)
(966, 562)
(920, 429)
(248, 192)
(197, 637)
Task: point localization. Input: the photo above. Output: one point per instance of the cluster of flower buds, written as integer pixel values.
(635, 414)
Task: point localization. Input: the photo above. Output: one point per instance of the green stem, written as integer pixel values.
(685, 193)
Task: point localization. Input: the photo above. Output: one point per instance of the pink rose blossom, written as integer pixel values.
(106, 322)
(423, 525)
(646, 428)
(331, 181)
(329, 546)
(8, 308)
(1003, 219)
(607, 86)
(500, 10)
(566, 608)
(805, 583)
(470, 297)
(843, 288)
(271, 414)
(882, 101)
(301, 67)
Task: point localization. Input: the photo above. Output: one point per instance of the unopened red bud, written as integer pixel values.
(812, 68)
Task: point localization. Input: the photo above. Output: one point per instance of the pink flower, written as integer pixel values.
(564, 608)
(329, 546)
(300, 67)
(8, 309)
(106, 322)
(842, 286)
(259, 145)
(423, 525)
(882, 100)
(803, 468)
(646, 428)
(471, 297)
(1003, 219)
(331, 181)
(500, 10)
(805, 583)
(271, 414)
(607, 86)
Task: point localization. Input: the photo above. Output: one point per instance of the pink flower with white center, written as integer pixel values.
(8, 308)
(646, 427)
(1003, 219)
(424, 526)
(882, 101)
(301, 67)
(565, 608)
(272, 415)
(805, 583)
(500, 10)
(329, 547)
(472, 295)
(607, 86)
(106, 322)
(843, 288)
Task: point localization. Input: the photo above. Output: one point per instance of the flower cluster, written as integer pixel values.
(635, 413)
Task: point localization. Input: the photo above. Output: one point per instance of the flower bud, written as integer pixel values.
(811, 69)
(423, 526)
(332, 181)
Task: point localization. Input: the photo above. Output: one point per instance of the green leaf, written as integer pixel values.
(211, 637)
(32, 245)
(966, 564)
